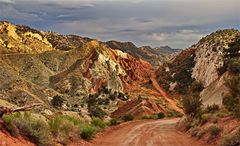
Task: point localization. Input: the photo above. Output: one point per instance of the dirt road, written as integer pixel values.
(146, 133)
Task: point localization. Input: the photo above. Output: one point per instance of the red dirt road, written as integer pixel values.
(146, 133)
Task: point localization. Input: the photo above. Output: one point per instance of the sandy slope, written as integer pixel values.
(7, 140)
(146, 133)
(164, 94)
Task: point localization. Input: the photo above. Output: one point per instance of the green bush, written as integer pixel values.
(196, 87)
(128, 117)
(64, 127)
(57, 101)
(96, 111)
(114, 122)
(9, 125)
(97, 122)
(160, 115)
(174, 113)
(194, 131)
(231, 139)
(192, 105)
(214, 130)
(187, 123)
(88, 132)
(28, 126)
(234, 65)
(204, 118)
(232, 101)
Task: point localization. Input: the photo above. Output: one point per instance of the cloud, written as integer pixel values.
(178, 38)
(7, 1)
(7, 10)
(178, 23)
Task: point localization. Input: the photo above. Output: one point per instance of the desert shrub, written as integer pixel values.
(54, 124)
(234, 65)
(200, 133)
(194, 131)
(113, 122)
(204, 118)
(192, 105)
(112, 97)
(214, 130)
(160, 115)
(195, 87)
(234, 85)
(88, 131)
(8, 124)
(97, 122)
(57, 101)
(96, 111)
(174, 113)
(232, 101)
(232, 139)
(64, 128)
(212, 108)
(91, 100)
(68, 131)
(28, 126)
(187, 123)
(128, 117)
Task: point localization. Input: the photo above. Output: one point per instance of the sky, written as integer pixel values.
(177, 23)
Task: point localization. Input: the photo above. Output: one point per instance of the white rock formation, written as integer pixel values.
(207, 63)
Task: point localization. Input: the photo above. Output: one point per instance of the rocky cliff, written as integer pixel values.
(201, 63)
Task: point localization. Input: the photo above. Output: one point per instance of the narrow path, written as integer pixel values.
(146, 133)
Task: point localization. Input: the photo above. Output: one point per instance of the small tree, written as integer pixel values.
(160, 115)
(57, 101)
(234, 65)
(192, 105)
(196, 87)
(128, 117)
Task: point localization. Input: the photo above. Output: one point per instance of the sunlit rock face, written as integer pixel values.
(200, 63)
(22, 39)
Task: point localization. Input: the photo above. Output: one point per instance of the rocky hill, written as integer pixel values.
(202, 65)
(156, 56)
(90, 77)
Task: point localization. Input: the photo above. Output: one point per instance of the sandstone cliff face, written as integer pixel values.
(214, 93)
(210, 57)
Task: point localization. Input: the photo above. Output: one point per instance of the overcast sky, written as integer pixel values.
(177, 23)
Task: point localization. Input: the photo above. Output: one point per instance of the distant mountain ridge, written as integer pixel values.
(156, 56)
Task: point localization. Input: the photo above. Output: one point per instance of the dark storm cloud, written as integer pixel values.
(178, 23)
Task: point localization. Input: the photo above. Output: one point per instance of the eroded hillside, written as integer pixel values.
(203, 64)
(37, 66)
